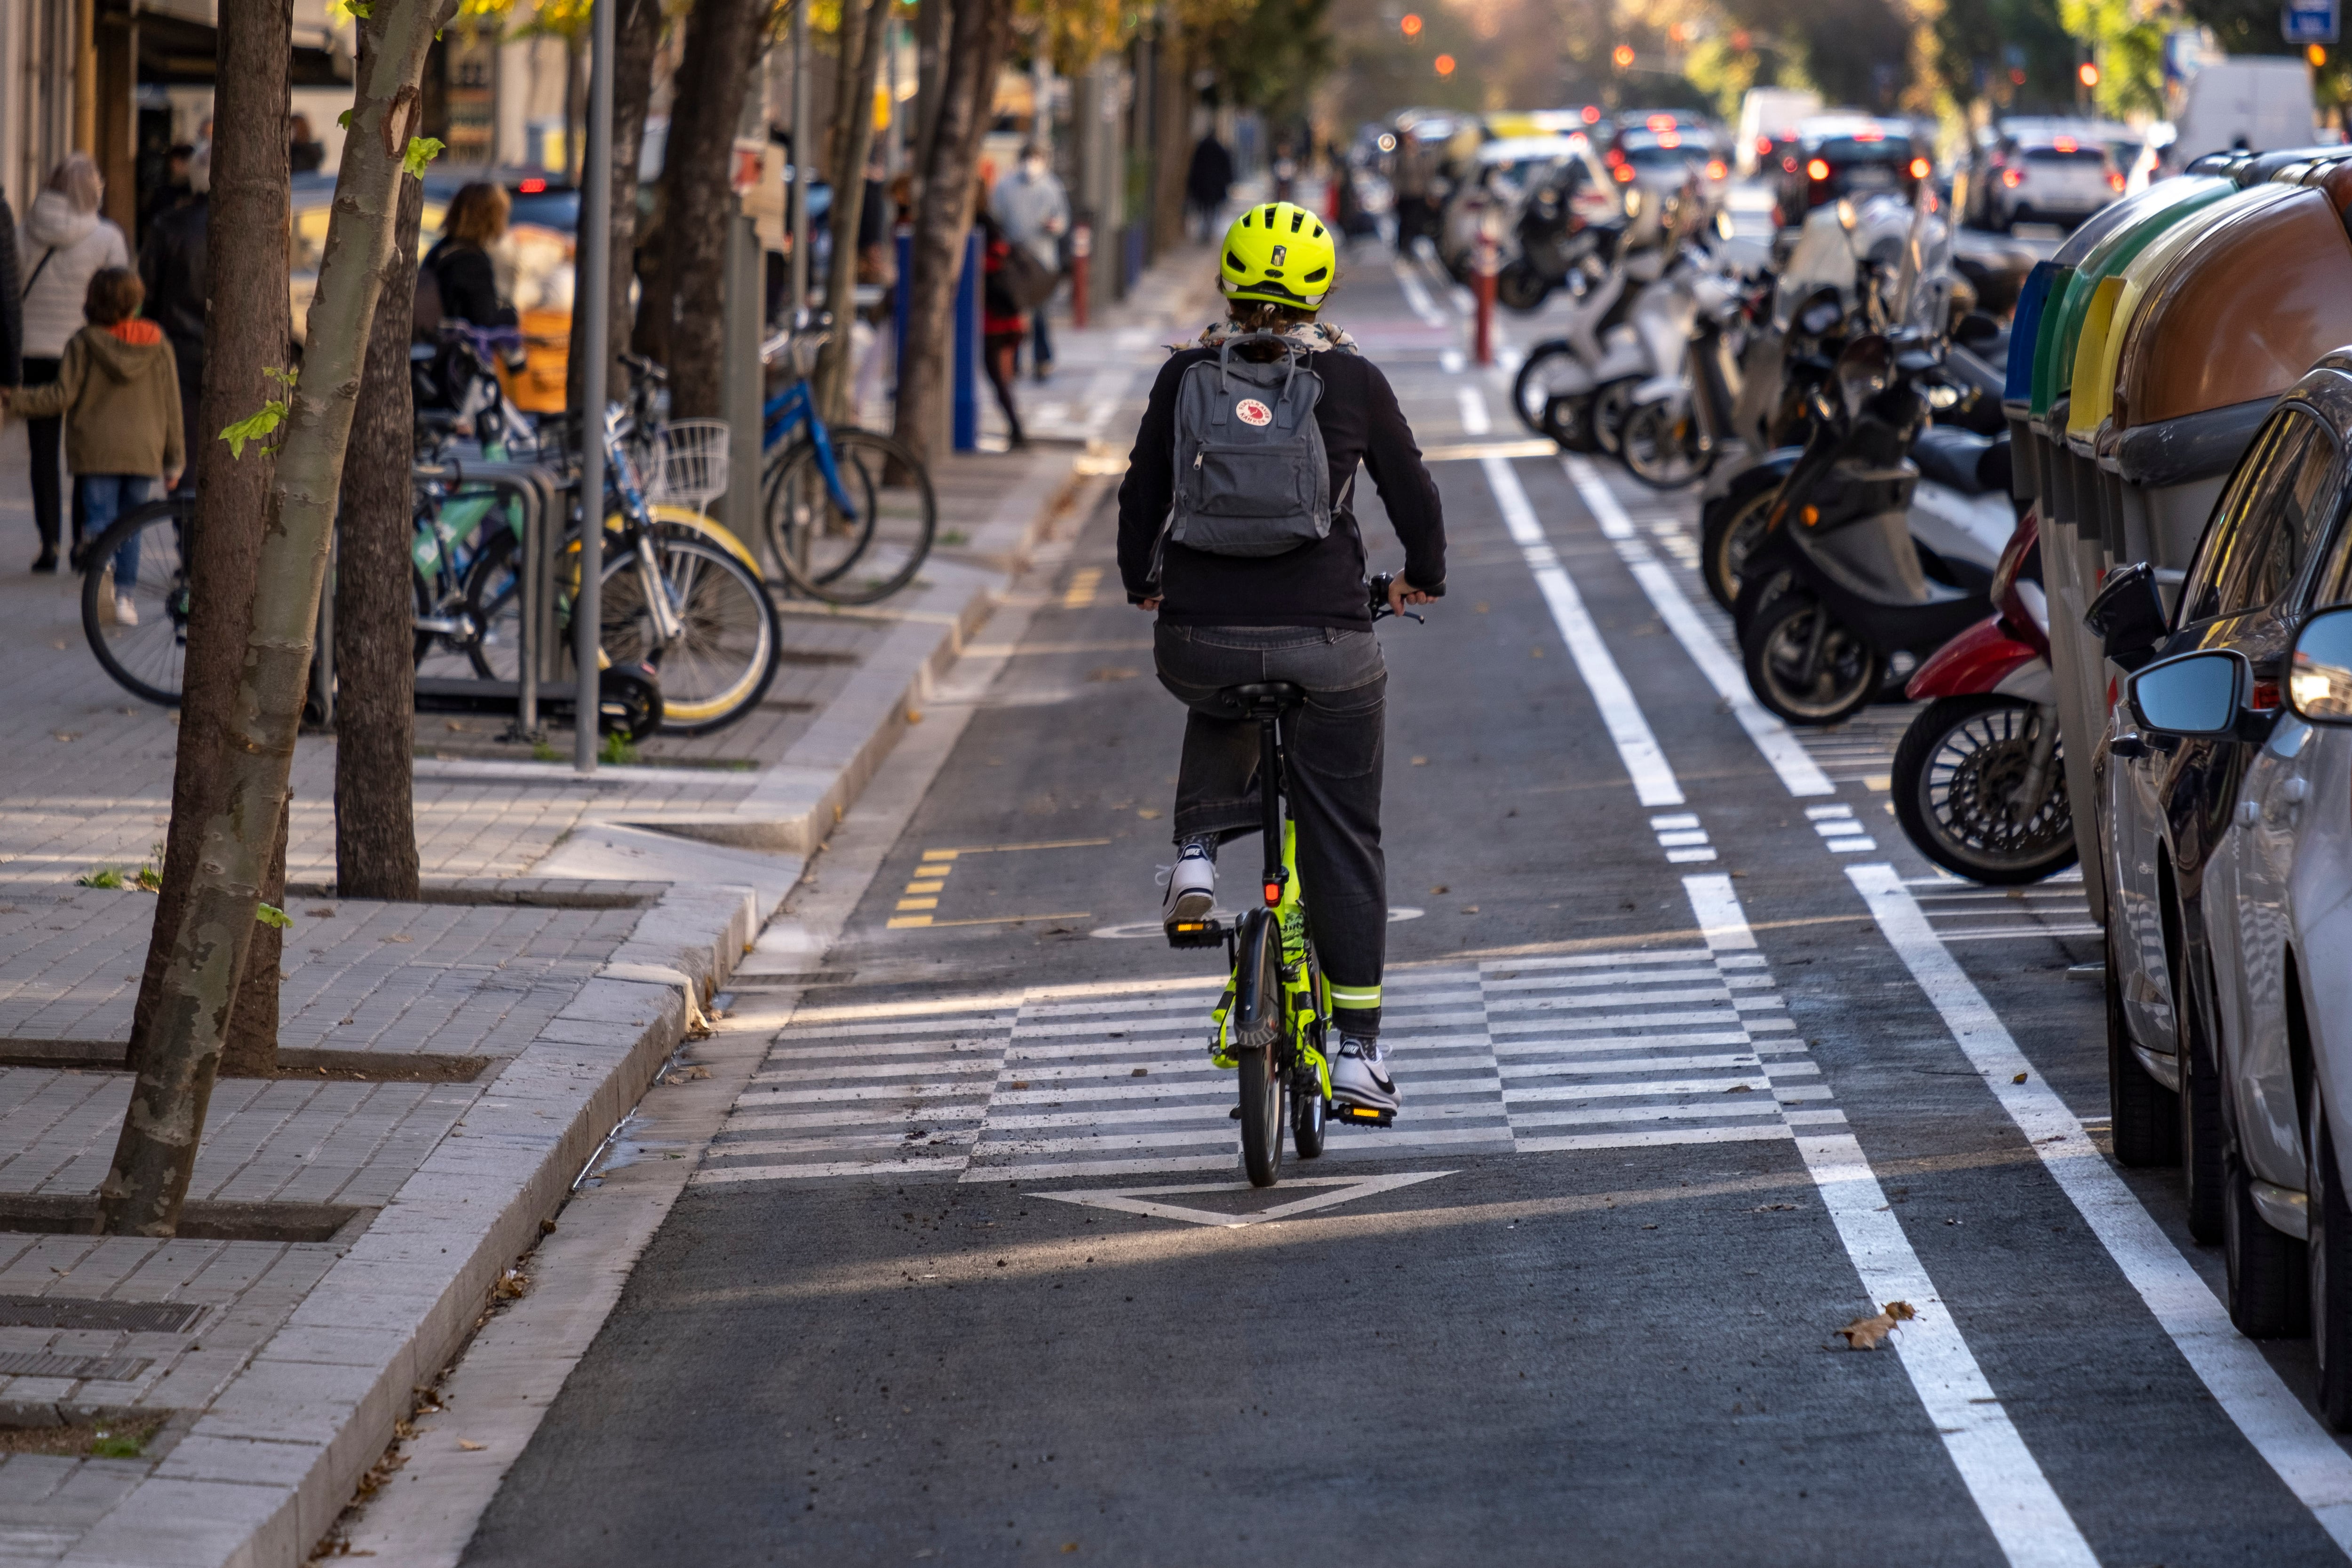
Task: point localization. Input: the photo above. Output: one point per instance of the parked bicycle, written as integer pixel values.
(850, 513)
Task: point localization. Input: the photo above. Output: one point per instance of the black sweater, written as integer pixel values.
(1322, 584)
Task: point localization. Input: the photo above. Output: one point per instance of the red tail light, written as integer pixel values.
(1787, 165)
(1624, 173)
(2064, 144)
(1716, 168)
(2115, 181)
(1816, 169)
(530, 187)
(2012, 178)
(1919, 168)
(1273, 894)
(1763, 147)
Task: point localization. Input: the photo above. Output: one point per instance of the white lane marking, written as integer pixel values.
(1800, 774)
(1646, 762)
(2016, 1498)
(2310, 1463)
(1134, 1200)
(1475, 418)
(1416, 296)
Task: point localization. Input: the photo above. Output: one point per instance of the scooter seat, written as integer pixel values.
(1973, 464)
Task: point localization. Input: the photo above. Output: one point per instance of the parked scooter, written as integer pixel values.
(1868, 559)
(1693, 320)
(1980, 780)
(1566, 233)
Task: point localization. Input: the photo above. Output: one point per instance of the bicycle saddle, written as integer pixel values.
(1264, 698)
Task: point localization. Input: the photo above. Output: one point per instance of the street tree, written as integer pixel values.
(312, 422)
(945, 160)
(860, 65)
(247, 331)
(688, 293)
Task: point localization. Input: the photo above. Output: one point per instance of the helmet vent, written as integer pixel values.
(1317, 276)
(1235, 262)
(1297, 217)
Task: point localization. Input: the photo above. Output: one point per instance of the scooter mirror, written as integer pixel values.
(2128, 615)
(2192, 694)
(2319, 674)
(1863, 370)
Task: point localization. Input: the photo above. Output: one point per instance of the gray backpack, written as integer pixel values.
(1251, 478)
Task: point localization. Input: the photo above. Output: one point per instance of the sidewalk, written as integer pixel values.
(449, 1070)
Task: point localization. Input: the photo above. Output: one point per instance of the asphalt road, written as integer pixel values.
(960, 1282)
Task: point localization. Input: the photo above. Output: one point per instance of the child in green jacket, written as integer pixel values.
(120, 392)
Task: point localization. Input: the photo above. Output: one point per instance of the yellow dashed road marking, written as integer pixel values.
(1081, 590)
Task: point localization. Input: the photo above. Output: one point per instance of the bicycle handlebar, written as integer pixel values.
(1378, 594)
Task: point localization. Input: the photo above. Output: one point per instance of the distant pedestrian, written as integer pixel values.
(460, 260)
(1034, 212)
(12, 300)
(175, 191)
(171, 266)
(119, 394)
(1208, 182)
(1003, 324)
(61, 246)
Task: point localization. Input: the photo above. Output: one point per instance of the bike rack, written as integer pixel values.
(540, 687)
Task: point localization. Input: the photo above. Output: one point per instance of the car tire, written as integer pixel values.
(2145, 1116)
(2202, 1167)
(2269, 1298)
(2327, 1274)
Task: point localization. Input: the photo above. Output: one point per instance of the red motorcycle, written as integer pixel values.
(1980, 782)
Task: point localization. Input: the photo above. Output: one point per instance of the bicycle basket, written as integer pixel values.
(689, 466)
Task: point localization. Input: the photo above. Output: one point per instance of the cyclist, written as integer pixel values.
(1302, 616)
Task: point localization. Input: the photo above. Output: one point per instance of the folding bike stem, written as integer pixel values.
(1270, 779)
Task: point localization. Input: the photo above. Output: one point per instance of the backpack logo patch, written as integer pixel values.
(1252, 411)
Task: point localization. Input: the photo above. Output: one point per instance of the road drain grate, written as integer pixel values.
(100, 1369)
(88, 1313)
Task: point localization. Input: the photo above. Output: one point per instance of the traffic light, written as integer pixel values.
(2317, 54)
(2087, 73)
(1411, 25)
(1445, 64)
(1622, 54)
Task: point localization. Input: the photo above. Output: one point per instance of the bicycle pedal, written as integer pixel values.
(1361, 1115)
(1234, 1113)
(1196, 934)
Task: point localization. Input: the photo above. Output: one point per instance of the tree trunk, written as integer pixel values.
(977, 35)
(691, 294)
(375, 607)
(1172, 98)
(853, 143)
(157, 1151)
(636, 38)
(931, 19)
(248, 331)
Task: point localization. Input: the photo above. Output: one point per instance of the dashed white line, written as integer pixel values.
(2027, 1519)
(1800, 774)
(1621, 715)
(2310, 1463)
(1416, 296)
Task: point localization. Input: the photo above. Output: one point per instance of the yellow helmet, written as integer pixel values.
(1279, 253)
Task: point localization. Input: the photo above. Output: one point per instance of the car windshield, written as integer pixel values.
(1854, 149)
(1647, 151)
(2064, 153)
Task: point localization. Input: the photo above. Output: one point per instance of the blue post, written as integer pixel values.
(967, 348)
(898, 312)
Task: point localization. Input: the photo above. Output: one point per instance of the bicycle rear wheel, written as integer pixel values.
(721, 665)
(1259, 1025)
(145, 659)
(866, 553)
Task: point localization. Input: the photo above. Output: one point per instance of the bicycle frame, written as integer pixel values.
(785, 414)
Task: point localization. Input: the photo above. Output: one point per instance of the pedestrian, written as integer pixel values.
(1003, 324)
(1274, 590)
(1208, 182)
(1032, 212)
(178, 187)
(172, 266)
(12, 300)
(460, 260)
(119, 394)
(62, 245)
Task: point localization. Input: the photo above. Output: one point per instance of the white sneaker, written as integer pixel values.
(1359, 1078)
(125, 612)
(1192, 886)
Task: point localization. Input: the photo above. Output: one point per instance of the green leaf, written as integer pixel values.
(253, 427)
(270, 915)
(344, 119)
(422, 149)
(105, 876)
(363, 9)
(283, 377)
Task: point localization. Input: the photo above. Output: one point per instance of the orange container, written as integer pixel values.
(538, 387)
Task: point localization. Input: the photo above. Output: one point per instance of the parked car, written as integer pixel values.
(2048, 174)
(1769, 118)
(1838, 155)
(1661, 157)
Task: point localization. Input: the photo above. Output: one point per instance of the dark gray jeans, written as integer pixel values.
(1334, 747)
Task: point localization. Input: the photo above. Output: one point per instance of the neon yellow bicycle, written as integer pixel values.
(1273, 1018)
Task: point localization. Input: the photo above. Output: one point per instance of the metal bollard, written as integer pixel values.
(1082, 250)
(1486, 263)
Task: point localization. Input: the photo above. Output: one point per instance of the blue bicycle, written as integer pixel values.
(850, 513)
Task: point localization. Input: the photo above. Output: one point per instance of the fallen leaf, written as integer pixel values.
(1111, 673)
(68, 734)
(324, 912)
(1742, 1089)
(1649, 1228)
(1017, 1084)
(914, 715)
(403, 937)
(1535, 652)
(471, 1447)
(1469, 909)
(1770, 1207)
(1421, 762)
(1147, 814)
(1440, 888)
(1140, 1073)
(2019, 1079)
(1868, 1334)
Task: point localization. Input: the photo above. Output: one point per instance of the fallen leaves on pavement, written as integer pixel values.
(1868, 1334)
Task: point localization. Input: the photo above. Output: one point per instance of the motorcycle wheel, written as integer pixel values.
(1532, 388)
(1809, 677)
(1955, 775)
(1663, 447)
(1610, 406)
(1729, 533)
(1568, 421)
(1519, 286)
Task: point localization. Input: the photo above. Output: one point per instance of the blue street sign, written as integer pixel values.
(2308, 21)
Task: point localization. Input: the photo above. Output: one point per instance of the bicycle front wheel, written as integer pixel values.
(857, 541)
(145, 654)
(726, 655)
(1258, 1029)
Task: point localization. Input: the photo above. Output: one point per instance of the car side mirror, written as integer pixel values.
(2319, 671)
(2127, 614)
(2197, 694)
